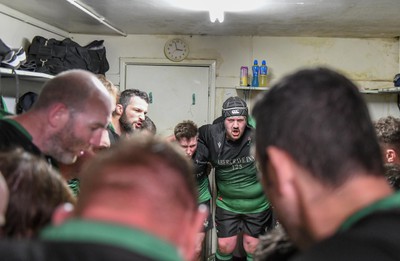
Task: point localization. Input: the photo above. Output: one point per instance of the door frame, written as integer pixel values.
(211, 64)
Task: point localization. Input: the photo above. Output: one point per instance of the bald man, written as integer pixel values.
(69, 116)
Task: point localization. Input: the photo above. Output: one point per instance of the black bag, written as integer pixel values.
(25, 102)
(52, 56)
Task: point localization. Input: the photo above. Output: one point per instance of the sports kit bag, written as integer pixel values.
(53, 56)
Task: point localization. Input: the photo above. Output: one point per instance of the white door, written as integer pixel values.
(176, 93)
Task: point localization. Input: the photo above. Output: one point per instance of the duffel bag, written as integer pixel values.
(53, 56)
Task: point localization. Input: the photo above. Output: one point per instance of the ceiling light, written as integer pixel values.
(99, 18)
(216, 14)
(216, 8)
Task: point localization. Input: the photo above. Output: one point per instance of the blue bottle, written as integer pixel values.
(256, 70)
(263, 74)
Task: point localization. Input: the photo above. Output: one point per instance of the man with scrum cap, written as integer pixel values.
(240, 200)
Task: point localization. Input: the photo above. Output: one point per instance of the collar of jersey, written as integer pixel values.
(112, 234)
(19, 127)
(386, 203)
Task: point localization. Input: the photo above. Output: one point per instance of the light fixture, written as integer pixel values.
(99, 18)
(216, 14)
(217, 8)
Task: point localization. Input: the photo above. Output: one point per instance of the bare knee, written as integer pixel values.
(199, 244)
(249, 243)
(226, 245)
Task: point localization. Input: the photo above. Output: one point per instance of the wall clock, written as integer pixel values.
(176, 49)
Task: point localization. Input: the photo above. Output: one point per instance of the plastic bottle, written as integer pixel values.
(263, 74)
(255, 69)
(243, 75)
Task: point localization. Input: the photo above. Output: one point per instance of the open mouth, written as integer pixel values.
(235, 132)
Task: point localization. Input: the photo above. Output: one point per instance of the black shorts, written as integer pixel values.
(208, 222)
(229, 224)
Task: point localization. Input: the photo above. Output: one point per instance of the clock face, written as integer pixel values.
(176, 50)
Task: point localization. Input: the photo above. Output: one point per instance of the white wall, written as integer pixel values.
(18, 30)
(369, 62)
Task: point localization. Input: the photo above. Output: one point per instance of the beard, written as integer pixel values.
(64, 146)
(57, 151)
(125, 124)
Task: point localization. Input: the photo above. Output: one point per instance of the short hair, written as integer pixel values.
(73, 88)
(392, 174)
(116, 173)
(275, 245)
(126, 95)
(186, 129)
(320, 119)
(388, 131)
(149, 125)
(36, 190)
(112, 90)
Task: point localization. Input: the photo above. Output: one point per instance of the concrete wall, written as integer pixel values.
(371, 62)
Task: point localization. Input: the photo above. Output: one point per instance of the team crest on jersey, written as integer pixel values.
(219, 144)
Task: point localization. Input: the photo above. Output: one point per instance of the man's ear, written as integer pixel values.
(390, 155)
(62, 213)
(280, 169)
(58, 115)
(119, 109)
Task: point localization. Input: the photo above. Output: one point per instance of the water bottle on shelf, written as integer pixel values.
(263, 74)
(243, 75)
(255, 69)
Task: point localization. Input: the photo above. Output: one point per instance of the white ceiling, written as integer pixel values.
(321, 18)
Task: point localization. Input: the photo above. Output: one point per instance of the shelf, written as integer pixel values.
(391, 90)
(26, 75)
(251, 88)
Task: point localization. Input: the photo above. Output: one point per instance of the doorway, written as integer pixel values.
(177, 91)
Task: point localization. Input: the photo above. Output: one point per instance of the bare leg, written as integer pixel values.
(226, 245)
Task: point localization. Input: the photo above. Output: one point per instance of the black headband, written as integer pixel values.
(235, 111)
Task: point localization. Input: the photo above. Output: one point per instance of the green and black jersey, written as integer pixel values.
(370, 234)
(114, 137)
(13, 135)
(238, 189)
(87, 238)
(200, 160)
